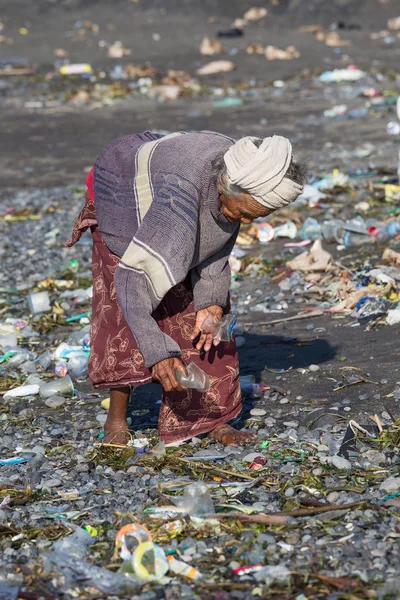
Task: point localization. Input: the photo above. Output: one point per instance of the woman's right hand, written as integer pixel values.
(164, 373)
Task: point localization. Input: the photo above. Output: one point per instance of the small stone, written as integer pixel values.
(390, 485)
(314, 368)
(101, 418)
(258, 412)
(284, 401)
(196, 441)
(50, 483)
(54, 401)
(293, 424)
(333, 497)
(289, 492)
(340, 463)
(317, 472)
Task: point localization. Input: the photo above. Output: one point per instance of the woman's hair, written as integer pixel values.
(297, 172)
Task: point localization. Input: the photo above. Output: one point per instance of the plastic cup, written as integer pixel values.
(286, 230)
(57, 387)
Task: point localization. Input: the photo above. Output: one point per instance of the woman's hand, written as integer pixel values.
(164, 372)
(205, 340)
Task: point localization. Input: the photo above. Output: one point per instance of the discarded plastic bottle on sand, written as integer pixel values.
(197, 500)
(178, 567)
(352, 239)
(220, 329)
(311, 230)
(57, 387)
(332, 230)
(392, 228)
(286, 230)
(195, 379)
(78, 364)
(249, 386)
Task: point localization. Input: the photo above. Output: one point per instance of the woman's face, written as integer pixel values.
(243, 209)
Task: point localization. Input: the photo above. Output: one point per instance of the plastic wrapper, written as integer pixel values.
(78, 364)
(195, 379)
(220, 329)
(197, 499)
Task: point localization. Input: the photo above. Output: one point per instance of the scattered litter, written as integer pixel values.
(76, 69)
(274, 53)
(210, 47)
(216, 66)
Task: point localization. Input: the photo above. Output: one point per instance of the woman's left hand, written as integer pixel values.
(205, 340)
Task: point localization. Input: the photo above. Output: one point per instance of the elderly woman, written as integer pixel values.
(164, 212)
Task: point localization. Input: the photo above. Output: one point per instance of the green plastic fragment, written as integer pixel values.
(78, 317)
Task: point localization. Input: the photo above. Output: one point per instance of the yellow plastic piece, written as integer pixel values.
(105, 403)
(92, 530)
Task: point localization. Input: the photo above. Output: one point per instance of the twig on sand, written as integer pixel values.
(216, 470)
(315, 510)
(261, 518)
(281, 518)
(306, 315)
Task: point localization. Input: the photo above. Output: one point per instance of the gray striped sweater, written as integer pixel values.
(158, 209)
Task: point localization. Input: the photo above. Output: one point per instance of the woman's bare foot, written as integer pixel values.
(227, 435)
(116, 428)
(116, 432)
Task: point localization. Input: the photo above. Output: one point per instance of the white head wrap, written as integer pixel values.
(261, 171)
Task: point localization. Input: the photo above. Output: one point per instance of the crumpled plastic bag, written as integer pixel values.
(274, 53)
(349, 296)
(216, 66)
(315, 259)
(80, 572)
(210, 46)
(391, 257)
(393, 317)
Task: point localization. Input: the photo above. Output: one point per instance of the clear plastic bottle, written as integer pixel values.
(332, 230)
(57, 387)
(249, 386)
(352, 239)
(392, 228)
(195, 379)
(311, 230)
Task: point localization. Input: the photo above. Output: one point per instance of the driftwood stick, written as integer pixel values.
(260, 518)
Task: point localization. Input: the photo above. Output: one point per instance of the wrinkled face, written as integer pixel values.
(243, 209)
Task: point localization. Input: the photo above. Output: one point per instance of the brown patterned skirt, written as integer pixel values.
(115, 360)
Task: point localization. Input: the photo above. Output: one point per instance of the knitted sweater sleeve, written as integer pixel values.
(157, 258)
(211, 278)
